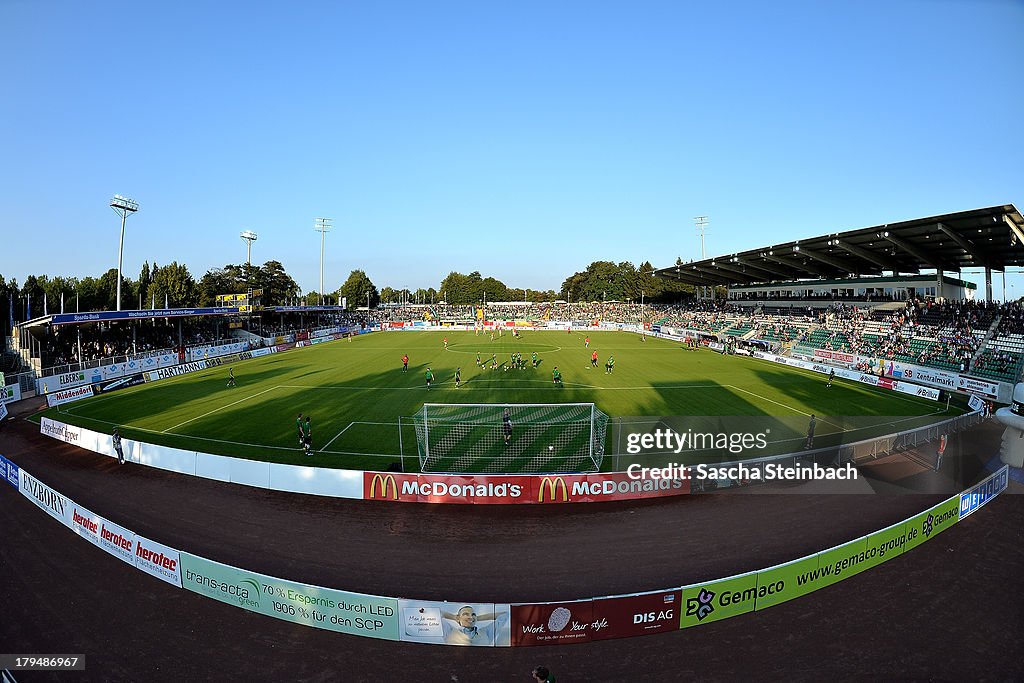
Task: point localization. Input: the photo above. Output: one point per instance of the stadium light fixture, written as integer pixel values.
(249, 236)
(122, 206)
(323, 226)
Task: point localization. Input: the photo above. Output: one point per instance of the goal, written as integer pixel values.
(545, 437)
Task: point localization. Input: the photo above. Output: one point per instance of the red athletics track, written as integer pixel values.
(948, 610)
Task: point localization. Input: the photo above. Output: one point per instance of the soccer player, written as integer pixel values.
(535, 359)
(810, 433)
(831, 376)
(307, 442)
(478, 359)
(609, 365)
(446, 343)
(494, 361)
(586, 342)
(405, 362)
(458, 377)
(556, 376)
(593, 359)
(231, 377)
(430, 378)
(506, 425)
(298, 425)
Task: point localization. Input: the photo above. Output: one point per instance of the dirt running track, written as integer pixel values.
(952, 609)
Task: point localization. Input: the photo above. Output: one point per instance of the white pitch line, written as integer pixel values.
(336, 436)
(788, 407)
(240, 443)
(217, 410)
(466, 383)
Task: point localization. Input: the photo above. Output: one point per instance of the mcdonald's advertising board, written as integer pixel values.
(594, 488)
(433, 488)
(509, 489)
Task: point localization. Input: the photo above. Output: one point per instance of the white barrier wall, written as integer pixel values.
(319, 481)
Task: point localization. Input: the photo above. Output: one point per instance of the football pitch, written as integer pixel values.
(355, 393)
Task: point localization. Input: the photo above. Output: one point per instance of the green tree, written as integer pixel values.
(277, 285)
(9, 302)
(355, 290)
(145, 279)
(457, 288)
(494, 289)
(215, 282)
(175, 281)
(55, 287)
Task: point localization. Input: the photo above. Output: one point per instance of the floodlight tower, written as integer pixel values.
(249, 236)
(123, 206)
(322, 225)
(702, 223)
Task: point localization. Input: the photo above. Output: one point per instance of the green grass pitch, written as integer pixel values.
(355, 392)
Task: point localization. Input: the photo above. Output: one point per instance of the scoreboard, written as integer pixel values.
(245, 303)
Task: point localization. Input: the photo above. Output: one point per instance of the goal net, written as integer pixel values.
(475, 438)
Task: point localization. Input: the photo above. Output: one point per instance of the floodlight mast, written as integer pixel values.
(249, 236)
(322, 225)
(122, 206)
(702, 223)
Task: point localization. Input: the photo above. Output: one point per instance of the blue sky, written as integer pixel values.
(524, 141)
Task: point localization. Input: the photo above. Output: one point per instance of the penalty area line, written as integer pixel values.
(336, 436)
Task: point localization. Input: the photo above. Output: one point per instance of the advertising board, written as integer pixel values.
(335, 610)
(68, 395)
(507, 489)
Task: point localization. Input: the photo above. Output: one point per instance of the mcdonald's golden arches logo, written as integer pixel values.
(552, 485)
(385, 481)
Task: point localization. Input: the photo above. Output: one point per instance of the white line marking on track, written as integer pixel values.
(217, 410)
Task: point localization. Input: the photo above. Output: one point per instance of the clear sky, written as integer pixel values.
(524, 139)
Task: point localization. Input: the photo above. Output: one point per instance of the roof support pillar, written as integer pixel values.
(988, 284)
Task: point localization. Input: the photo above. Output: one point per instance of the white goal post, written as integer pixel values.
(510, 437)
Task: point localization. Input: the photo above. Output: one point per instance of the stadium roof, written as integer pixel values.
(981, 238)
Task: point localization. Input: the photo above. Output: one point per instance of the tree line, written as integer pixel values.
(172, 284)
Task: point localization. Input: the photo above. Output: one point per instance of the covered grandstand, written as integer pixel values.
(880, 298)
(990, 238)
